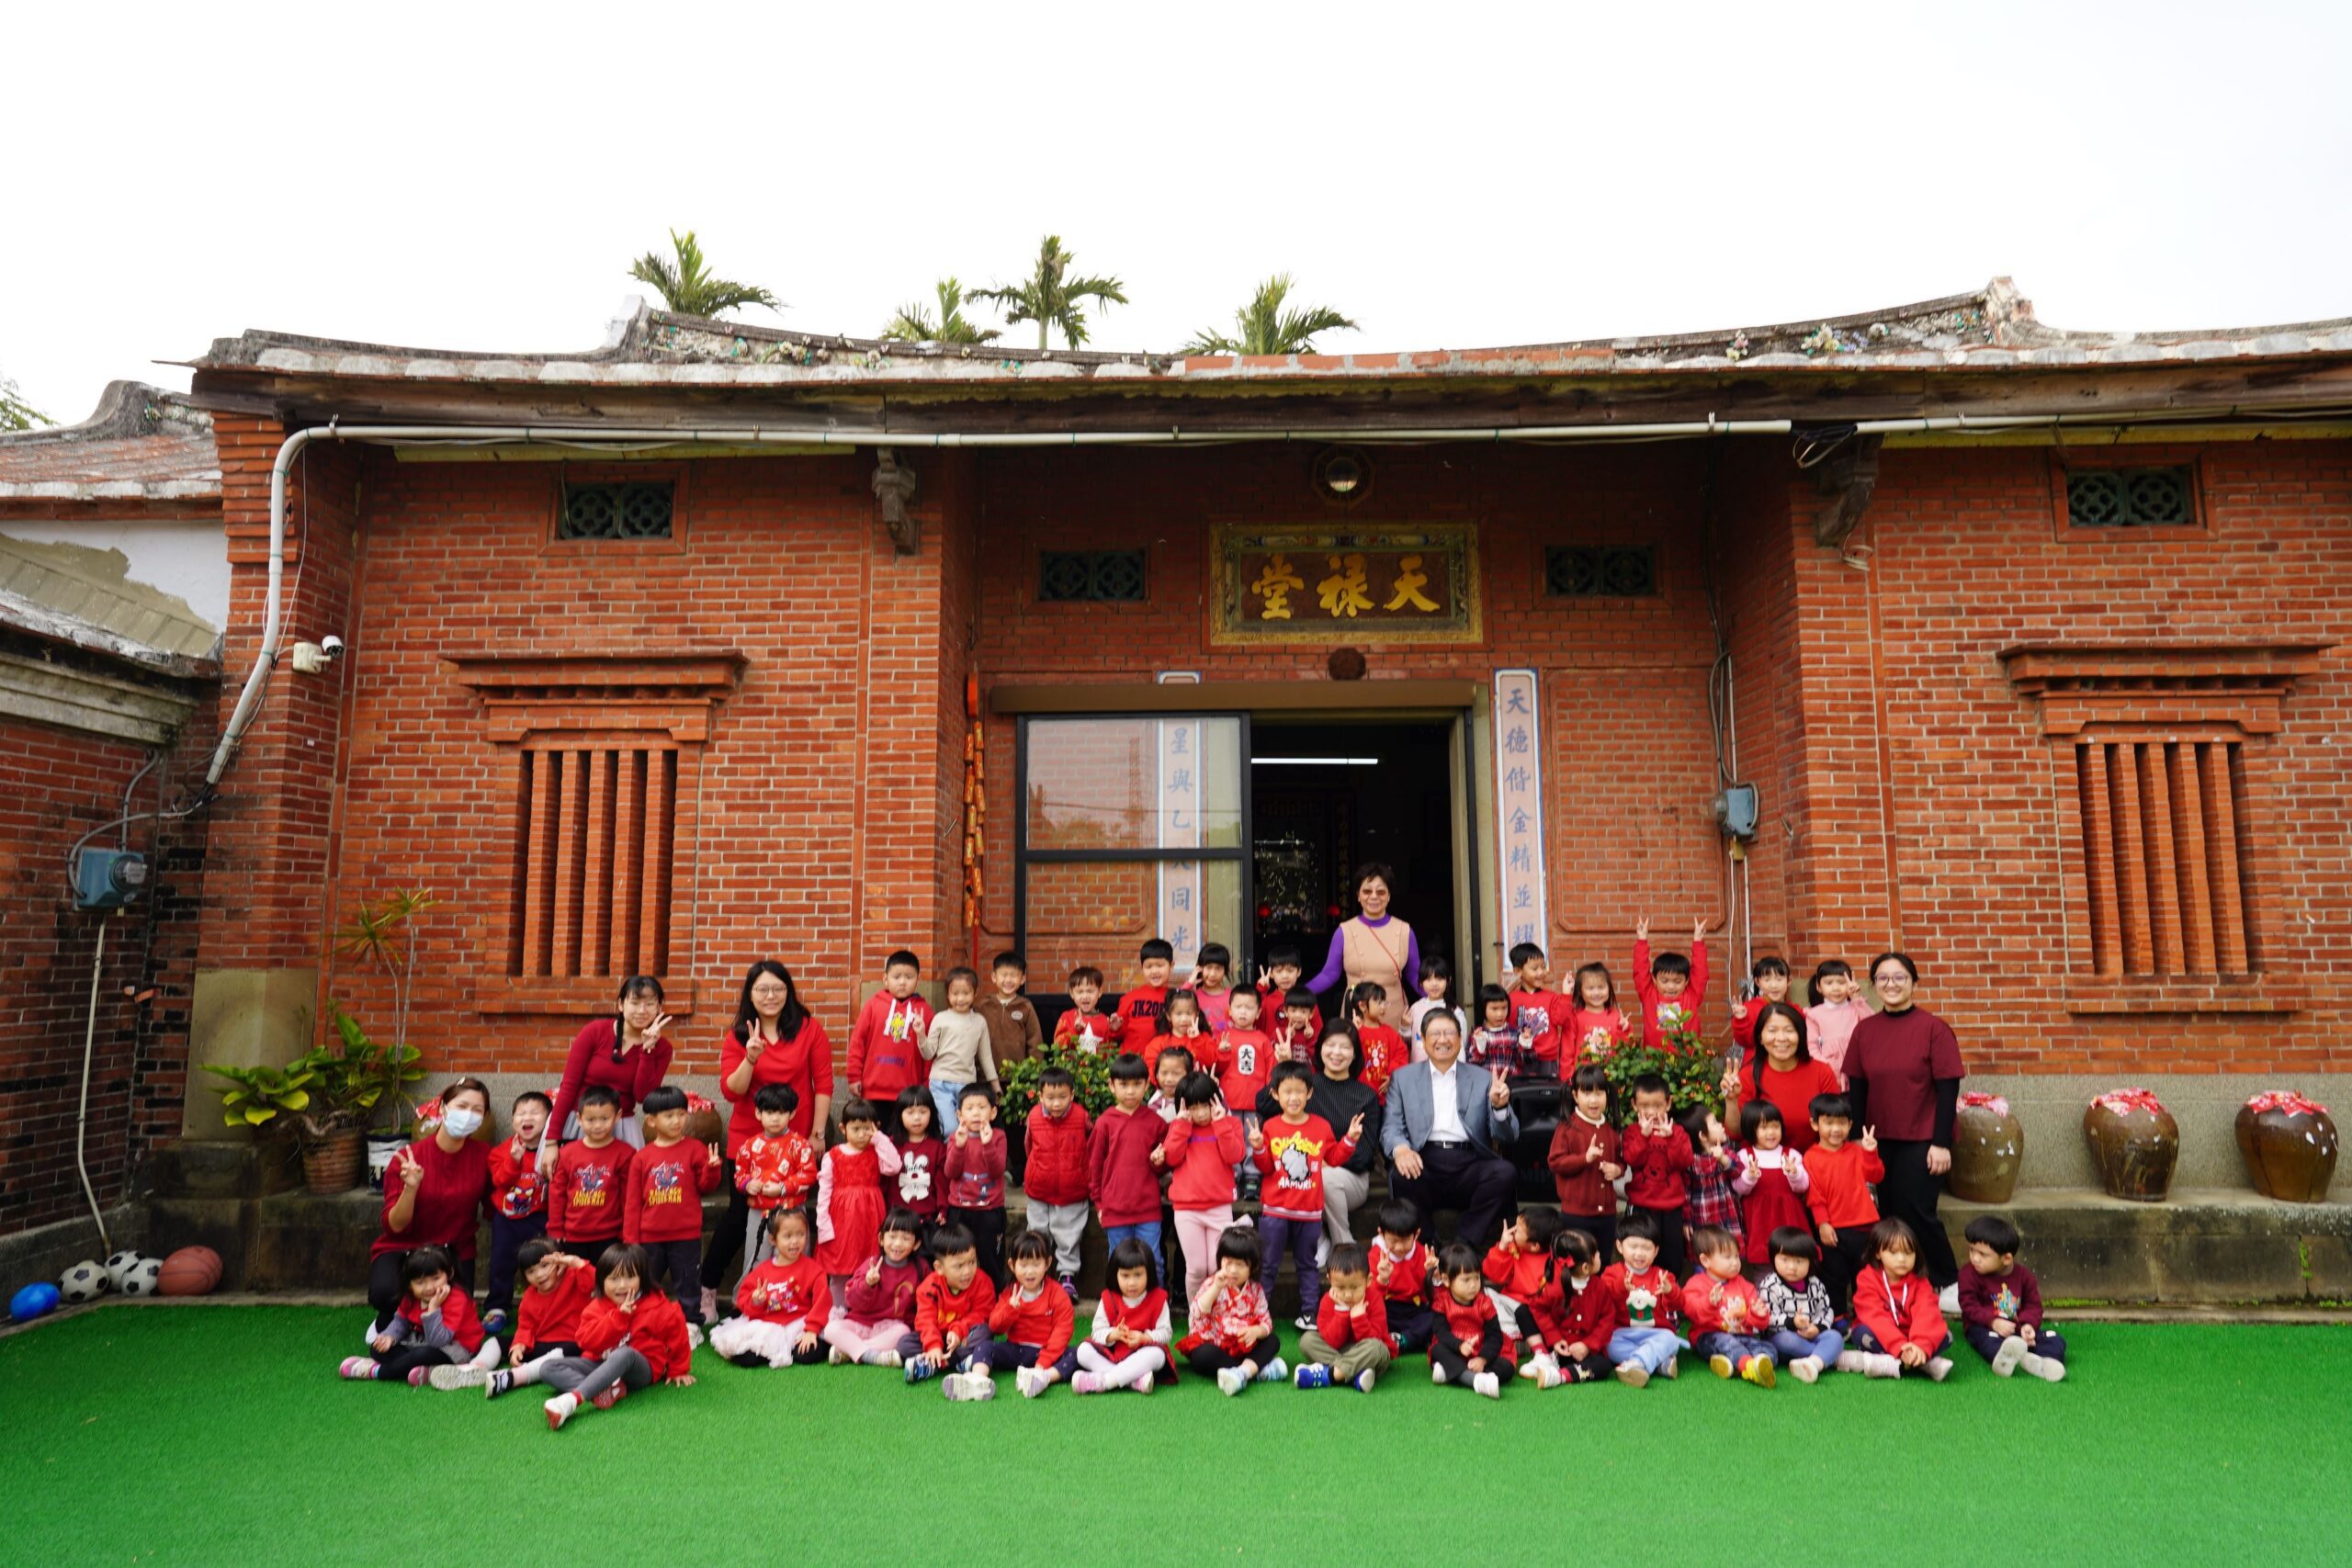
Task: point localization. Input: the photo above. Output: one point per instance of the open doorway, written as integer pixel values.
(1326, 797)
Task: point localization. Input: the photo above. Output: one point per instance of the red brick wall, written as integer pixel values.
(55, 785)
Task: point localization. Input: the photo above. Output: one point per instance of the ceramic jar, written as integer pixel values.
(2134, 1142)
(1987, 1147)
(2289, 1145)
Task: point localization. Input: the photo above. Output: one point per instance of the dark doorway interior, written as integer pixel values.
(1326, 797)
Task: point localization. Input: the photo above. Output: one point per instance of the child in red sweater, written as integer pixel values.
(1840, 1172)
(784, 1302)
(1124, 1156)
(433, 1334)
(1029, 1330)
(1180, 1025)
(1245, 1054)
(885, 1041)
(1519, 1268)
(666, 1182)
(850, 1202)
(1472, 1348)
(1290, 1152)
(1200, 1149)
(1278, 981)
(1770, 1181)
(975, 1171)
(923, 1160)
(1233, 1338)
(1586, 1159)
(631, 1337)
(518, 1202)
(1349, 1342)
(1384, 1048)
(1658, 1155)
(1728, 1323)
(1138, 1013)
(777, 1170)
(1540, 1012)
(1130, 1343)
(1404, 1273)
(1055, 1178)
(1638, 1305)
(1298, 1026)
(1083, 1027)
(878, 1307)
(1672, 987)
(2000, 1306)
(952, 1308)
(1571, 1342)
(588, 1194)
(1770, 976)
(1595, 1023)
(557, 1287)
(1897, 1328)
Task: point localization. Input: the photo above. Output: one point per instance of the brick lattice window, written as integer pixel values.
(2130, 498)
(593, 856)
(2162, 844)
(638, 509)
(1599, 571)
(1096, 577)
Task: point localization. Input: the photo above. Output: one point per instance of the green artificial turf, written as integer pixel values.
(221, 1434)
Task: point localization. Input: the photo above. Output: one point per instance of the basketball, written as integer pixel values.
(190, 1272)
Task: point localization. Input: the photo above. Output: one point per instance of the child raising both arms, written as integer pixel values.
(1672, 986)
(784, 1302)
(1128, 1345)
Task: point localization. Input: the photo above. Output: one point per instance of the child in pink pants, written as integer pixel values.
(1202, 1146)
(878, 1309)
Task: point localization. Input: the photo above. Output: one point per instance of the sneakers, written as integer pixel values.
(497, 1384)
(609, 1397)
(495, 1325)
(963, 1386)
(2006, 1359)
(1758, 1370)
(919, 1367)
(882, 1359)
(1806, 1369)
(1549, 1377)
(1232, 1381)
(1881, 1365)
(694, 1335)
(710, 1304)
(1365, 1379)
(836, 1357)
(1275, 1370)
(1488, 1384)
(1673, 1368)
(2042, 1367)
(1313, 1376)
(1304, 1323)
(1031, 1381)
(1086, 1382)
(1939, 1367)
(360, 1368)
(1720, 1366)
(1437, 1370)
(1854, 1361)
(1069, 1286)
(1948, 1300)
(1633, 1374)
(560, 1410)
(456, 1376)
(1144, 1384)
(417, 1376)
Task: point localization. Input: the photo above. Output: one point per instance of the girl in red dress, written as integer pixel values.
(850, 1203)
(1770, 1181)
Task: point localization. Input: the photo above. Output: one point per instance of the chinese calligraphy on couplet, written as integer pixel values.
(1519, 808)
(1179, 827)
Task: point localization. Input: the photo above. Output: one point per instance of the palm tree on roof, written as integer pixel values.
(1265, 327)
(916, 323)
(688, 289)
(1052, 298)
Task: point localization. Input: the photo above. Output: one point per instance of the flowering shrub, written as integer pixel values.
(2285, 1099)
(1692, 1071)
(1091, 1070)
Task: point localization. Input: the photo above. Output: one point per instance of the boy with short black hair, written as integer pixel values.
(1349, 1343)
(558, 1287)
(1014, 1031)
(518, 1202)
(1641, 1304)
(974, 1174)
(663, 1211)
(1055, 1178)
(1138, 1013)
(588, 1195)
(1672, 987)
(1540, 1012)
(1084, 1026)
(776, 1168)
(1211, 987)
(1123, 1158)
(952, 1307)
(1404, 1273)
(2000, 1304)
(885, 1042)
(1280, 977)
(1298, 1028)
(1838, 1193)
(1657, 1153)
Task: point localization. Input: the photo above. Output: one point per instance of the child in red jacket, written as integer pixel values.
(1055, 1178)
(783, 1304)
(434, 1335)
(1571, 1341)
(1349, 1342)
(1289, 1151)
(518, 1202)
(1472, 1348)
(1672, 987)
(975, 1173)
(666, 1182)
(1657, 1153)
(557, 1288)
(1131, 1344)
(777, 1169)
(631, 1337)
(1728, 1323)
(1403, 1274)
(952, 1308)
(1519, 1268)
(1029, 1330)
(1897, 1326)
(1200, 1149)
(1639, 1305)
(885, 1042)
(1384, 1048)
(1124, 1156)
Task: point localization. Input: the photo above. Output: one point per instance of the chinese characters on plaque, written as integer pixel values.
(1519, 808)
(1386, 583)
(1180, 828)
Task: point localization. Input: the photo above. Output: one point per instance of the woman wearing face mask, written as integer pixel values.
(433, 1195)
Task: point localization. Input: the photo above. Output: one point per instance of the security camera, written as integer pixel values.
(310, 658)
(332, 646)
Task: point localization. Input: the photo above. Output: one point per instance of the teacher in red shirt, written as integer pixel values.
(1903, 1074)
(775, 1040)
(433, 1194)
(627, 1053)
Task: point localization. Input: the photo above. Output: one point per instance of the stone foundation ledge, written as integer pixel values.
(2201, 1246)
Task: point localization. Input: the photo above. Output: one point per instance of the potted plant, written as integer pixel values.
(387, 933)
(2134, 1141)
(2289, 1146)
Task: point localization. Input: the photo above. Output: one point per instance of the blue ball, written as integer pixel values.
(32, 1302)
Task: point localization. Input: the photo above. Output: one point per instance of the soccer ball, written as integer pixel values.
(139, 1279)
(84, 1281)
(118, 1265)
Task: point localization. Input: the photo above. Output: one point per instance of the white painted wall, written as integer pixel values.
(188, 558)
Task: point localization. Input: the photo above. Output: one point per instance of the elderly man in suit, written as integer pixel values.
(1445, 1120)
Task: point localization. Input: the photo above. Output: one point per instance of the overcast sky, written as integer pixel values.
(1451, 175)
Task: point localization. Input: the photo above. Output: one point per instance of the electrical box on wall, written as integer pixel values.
(1736, 811)
(108, 879)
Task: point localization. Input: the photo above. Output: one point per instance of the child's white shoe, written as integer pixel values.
(2006, 1359)
(560, 1410)
(1536, 1365)
(1488, 1384)
(963, 1386)
(1939, 1367)
(1883, 1365)
(1365, 1379)
(1437, 1370)
(1549, 1376)
(1143, 1384)
(1805, 1368)
(694, 1335)
(1672, 1367)
(836, 1357)
(1086, 1382)
(2042, 1367)
(1232, 1381)
(1633, 1374)
(457, 1376)
(1030, 1381)
(1275, 1370)
(1854, 1361)
(1948, 1300)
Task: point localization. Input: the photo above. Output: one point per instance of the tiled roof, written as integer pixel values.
(1993, 328)
(141, 445)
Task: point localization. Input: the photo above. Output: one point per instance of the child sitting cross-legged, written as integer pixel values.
(435, 1334)
(1638, 1304)
(1128, 1346)
(1897, 1328)
(1029, 1327)
(1349, 1340)
(1519, 1268)
(631, 1337)
(1233, 1336)
(1404, 1273)
(878, 1307)
(1471, 1348)
(1725, 1312)
(952, 1309)
(2000, 1306)
(1572, 1340)
(1796, 1307)
(784, 1302)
